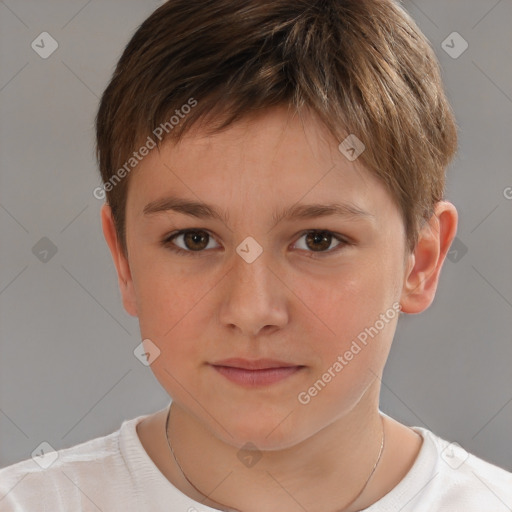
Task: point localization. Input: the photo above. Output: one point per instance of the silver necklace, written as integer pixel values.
(227, 509)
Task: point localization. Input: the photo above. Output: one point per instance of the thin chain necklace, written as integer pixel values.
(227, 509)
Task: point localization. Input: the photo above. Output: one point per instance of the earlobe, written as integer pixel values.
(426, 261)
(120, 261)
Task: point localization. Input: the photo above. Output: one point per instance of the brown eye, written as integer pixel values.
(189, 240)
(196, 240)
(320, 242)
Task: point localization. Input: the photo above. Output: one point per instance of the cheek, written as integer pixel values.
(355, 316)
(359, 316)
(167, 299)
(350, 300)
(172, 316)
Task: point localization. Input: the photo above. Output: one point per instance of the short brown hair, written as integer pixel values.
(362, 66)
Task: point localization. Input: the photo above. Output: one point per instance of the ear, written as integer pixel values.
(425, 262)
(120, 261)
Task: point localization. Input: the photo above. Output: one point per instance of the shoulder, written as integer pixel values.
(462, 481)
(53, 478)
(446, 478)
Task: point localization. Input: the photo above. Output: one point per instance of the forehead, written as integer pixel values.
(263, 161)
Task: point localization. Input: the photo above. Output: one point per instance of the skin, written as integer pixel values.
(294, 303)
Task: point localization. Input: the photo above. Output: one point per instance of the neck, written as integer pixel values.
(325, 472)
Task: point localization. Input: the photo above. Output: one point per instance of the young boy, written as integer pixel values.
(235, 139)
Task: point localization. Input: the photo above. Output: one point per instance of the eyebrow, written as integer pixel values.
(296, 211)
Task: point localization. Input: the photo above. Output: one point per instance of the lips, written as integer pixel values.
(257, 364)
(255, 373)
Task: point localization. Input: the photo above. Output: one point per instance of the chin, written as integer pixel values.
(266, 432)
(262, 441)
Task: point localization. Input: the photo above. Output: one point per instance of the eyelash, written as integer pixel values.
(167, 242)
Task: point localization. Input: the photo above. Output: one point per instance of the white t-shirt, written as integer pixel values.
(115, 474)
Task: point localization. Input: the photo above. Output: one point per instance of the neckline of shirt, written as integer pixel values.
(150, 481)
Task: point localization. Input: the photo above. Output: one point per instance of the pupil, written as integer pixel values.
(196, 239)
(320, 237)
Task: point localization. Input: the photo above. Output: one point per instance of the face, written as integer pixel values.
(318, 291)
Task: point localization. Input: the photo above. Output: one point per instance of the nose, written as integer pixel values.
(254, 299)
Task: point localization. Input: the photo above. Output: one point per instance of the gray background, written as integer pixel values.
(67, 368)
